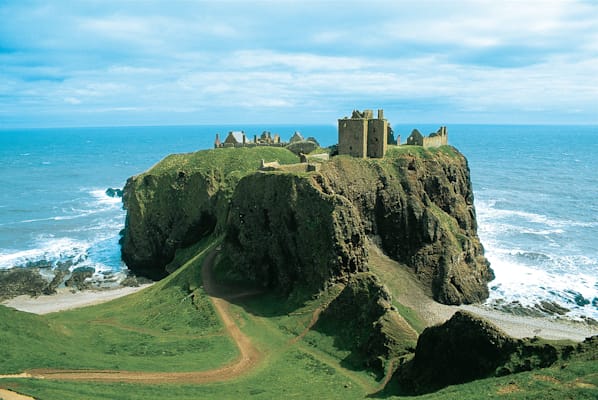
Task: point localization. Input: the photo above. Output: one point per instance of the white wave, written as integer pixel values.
(101, 197)
(50, 249)
(487, 211)
(103, 254)
(553, 280)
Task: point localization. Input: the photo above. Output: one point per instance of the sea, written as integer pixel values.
(535, 187)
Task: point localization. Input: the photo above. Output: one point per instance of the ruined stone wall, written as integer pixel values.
(352, 137)
(434, 141)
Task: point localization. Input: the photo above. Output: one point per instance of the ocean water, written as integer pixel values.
(536, 192)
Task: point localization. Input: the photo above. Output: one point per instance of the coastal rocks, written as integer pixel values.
(30, 281)
(111, 192)
(80, 278)
(19, 281)
(284, 234)
(467, 347)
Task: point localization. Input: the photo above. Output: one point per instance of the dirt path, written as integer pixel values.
(314, 318)
(249, 355)
(10, 395)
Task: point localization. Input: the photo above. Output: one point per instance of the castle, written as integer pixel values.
(363, 136)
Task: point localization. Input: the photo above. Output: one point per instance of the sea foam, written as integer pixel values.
(532, 264)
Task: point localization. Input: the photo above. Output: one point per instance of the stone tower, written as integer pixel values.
(362, 135)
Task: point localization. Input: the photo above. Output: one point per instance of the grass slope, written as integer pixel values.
(158, 329)
(297, 363)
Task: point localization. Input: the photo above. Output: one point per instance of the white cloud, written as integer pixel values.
(488, 57)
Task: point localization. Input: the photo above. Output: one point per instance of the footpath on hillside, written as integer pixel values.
(248, 358)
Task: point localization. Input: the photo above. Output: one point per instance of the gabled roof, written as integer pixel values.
(416, 134)
(235, 137)
(296, 137)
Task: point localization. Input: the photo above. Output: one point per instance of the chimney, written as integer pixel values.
(380, 114)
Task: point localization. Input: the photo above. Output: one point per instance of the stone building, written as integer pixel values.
(435, 139)
(362, 135)
(240, 139)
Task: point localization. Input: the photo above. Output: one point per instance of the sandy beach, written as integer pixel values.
(67, 300)
(414, 297)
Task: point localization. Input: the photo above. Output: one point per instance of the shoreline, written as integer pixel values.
(517, 326)
(414, 295)
(432, 313)
(65, 299)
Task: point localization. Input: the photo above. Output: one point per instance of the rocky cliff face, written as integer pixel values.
(288, 230)
(283, 234)
(182, 199)
(420, 205)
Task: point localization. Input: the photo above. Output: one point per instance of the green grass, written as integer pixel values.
(419, 151)
(164, 329)
(161, 328)
(224, 161)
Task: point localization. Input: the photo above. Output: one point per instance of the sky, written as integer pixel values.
(108, 63)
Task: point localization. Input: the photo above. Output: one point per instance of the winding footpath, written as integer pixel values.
(248, 358)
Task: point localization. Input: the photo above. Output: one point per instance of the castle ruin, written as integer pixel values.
(240, 139)
(362, 135)
(435, 139)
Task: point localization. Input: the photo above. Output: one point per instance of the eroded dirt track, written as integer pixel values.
(248, 358)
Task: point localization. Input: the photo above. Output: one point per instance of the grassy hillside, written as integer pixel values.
(160, 328)
(163, 328)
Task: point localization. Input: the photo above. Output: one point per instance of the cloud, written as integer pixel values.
(465, 61)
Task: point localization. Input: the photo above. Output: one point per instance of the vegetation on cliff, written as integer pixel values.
(183, 199)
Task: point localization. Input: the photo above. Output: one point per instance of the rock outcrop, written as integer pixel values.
(467, 347)
(182, 199)
(420, 205)
(362, 321)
